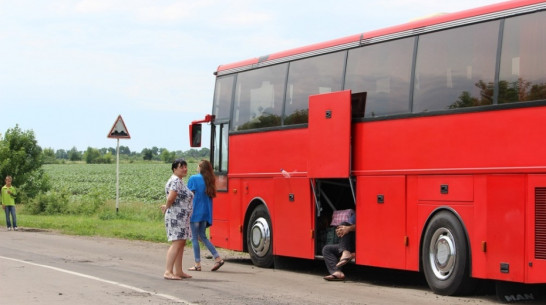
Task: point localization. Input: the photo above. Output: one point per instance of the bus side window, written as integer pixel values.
(522, 59)
(382, 70)
(453, 66)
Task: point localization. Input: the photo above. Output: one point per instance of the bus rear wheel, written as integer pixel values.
(445, 257)
(260, 238)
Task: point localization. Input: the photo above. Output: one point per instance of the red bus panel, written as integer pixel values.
(293, 218)
(505, 227)
(330, 135)
(381, 221)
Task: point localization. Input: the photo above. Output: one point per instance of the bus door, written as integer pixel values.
(330, 135)
(293, 222)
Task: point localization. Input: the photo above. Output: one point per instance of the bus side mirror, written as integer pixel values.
(195, 135)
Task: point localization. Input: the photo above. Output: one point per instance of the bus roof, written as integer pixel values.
(407, 29)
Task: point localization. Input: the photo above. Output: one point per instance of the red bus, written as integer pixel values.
(432, 131)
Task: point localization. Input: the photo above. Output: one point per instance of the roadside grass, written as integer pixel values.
(134, 221)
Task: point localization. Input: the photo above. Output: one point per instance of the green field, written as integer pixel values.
(141, 193)
(138, 182)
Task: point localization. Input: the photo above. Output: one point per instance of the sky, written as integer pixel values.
(68, 68)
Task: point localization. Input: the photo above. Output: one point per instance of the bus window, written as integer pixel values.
(315, 75)
(222, 97)
(259, 98)
(522, 59)
(383, 71)
(456, 68)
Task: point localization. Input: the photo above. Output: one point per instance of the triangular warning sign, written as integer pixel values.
(119, 131)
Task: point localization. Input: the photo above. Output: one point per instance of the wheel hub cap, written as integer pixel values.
(260, 237)
(442, 253)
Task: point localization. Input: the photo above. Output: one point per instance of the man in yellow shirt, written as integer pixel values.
(8, 203)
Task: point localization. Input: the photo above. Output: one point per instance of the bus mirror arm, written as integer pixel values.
(208, 118)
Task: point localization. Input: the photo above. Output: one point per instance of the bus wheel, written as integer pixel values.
(445, 257)
(259, 238)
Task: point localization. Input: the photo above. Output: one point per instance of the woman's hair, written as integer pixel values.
(205, 169)
(177, 163)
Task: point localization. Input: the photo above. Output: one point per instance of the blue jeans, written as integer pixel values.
(10, 209)
(198, 233)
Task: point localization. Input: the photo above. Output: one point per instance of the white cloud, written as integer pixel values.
(156, 56)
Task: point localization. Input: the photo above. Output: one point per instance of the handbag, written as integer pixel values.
(341, 216)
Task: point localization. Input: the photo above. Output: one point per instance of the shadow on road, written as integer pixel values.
(385, 277)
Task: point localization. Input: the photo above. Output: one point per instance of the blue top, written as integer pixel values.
(202, 203)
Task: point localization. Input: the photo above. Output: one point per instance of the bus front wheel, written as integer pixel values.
(445, 257)
(260, 238)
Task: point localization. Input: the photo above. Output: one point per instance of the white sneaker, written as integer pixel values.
(16, 229)
(9, 228)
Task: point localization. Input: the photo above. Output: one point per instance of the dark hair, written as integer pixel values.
(177, 163)
(205, 169)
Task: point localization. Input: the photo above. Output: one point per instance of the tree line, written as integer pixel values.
(108, 154)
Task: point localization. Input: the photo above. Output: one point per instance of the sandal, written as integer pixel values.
(195, 268)
(342, 262)
(217, 265)
(171, 277)
(333, 277)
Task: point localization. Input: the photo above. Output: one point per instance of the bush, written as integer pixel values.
(92, 202)
(50, 203)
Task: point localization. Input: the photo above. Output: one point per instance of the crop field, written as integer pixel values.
(138, 182)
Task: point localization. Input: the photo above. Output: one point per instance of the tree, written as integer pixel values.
(61, 154)
(74, 154)
(49, 156)
(91, 155)
(124, 150)
(167, 156)
(147, 154)
(21, 157)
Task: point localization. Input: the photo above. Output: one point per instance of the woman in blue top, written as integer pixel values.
(204, 187)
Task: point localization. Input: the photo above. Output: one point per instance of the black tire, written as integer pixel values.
(259, 238)
(445, 257)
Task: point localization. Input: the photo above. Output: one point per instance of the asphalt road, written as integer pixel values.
(40, 267)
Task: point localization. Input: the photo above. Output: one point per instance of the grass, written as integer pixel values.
(131, 222)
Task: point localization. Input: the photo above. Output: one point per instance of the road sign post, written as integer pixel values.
(118, 131)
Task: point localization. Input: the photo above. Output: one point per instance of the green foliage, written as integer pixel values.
(82, 200)
(138, 182)
(74, 154)
(196, 154)
(93, 156)
(167, 156)
(22, 158)
(147, 154)
(52, 202)
(121, 225)
(49, 156)
(90, 204)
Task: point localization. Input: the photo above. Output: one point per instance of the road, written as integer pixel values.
(41, 267)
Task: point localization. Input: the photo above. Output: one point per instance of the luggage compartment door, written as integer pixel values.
(330, 135)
